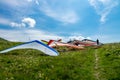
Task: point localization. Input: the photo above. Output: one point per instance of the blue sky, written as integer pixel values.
(24, 20)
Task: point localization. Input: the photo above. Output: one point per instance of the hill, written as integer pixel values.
(7, 44)
(2, 40)
(89, 64)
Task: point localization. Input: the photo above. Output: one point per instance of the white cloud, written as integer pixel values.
(31, 22)
(103, 7)
(76, 37)
(24, 22)
(19, 25)
(65, 15)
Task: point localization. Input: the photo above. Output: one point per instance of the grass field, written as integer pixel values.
(89, 64)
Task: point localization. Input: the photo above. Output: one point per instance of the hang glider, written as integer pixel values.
(86, 42)
(57, 43)
(34, 45)
(75, 44)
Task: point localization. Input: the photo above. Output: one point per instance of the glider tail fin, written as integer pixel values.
(50, 42)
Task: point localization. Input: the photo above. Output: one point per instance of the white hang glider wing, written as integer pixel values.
(35, 45)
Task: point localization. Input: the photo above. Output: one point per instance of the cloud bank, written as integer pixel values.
(33, 34)
(26, 35)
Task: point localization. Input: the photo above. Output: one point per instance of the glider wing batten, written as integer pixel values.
(35, 45)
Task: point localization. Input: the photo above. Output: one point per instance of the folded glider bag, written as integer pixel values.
(35, 45)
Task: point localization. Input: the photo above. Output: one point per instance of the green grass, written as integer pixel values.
(29, 64)
(110, 61)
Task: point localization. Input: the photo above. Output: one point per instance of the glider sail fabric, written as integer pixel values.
(35, 45)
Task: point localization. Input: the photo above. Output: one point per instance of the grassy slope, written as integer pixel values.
(110, 61)
(72, 65)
